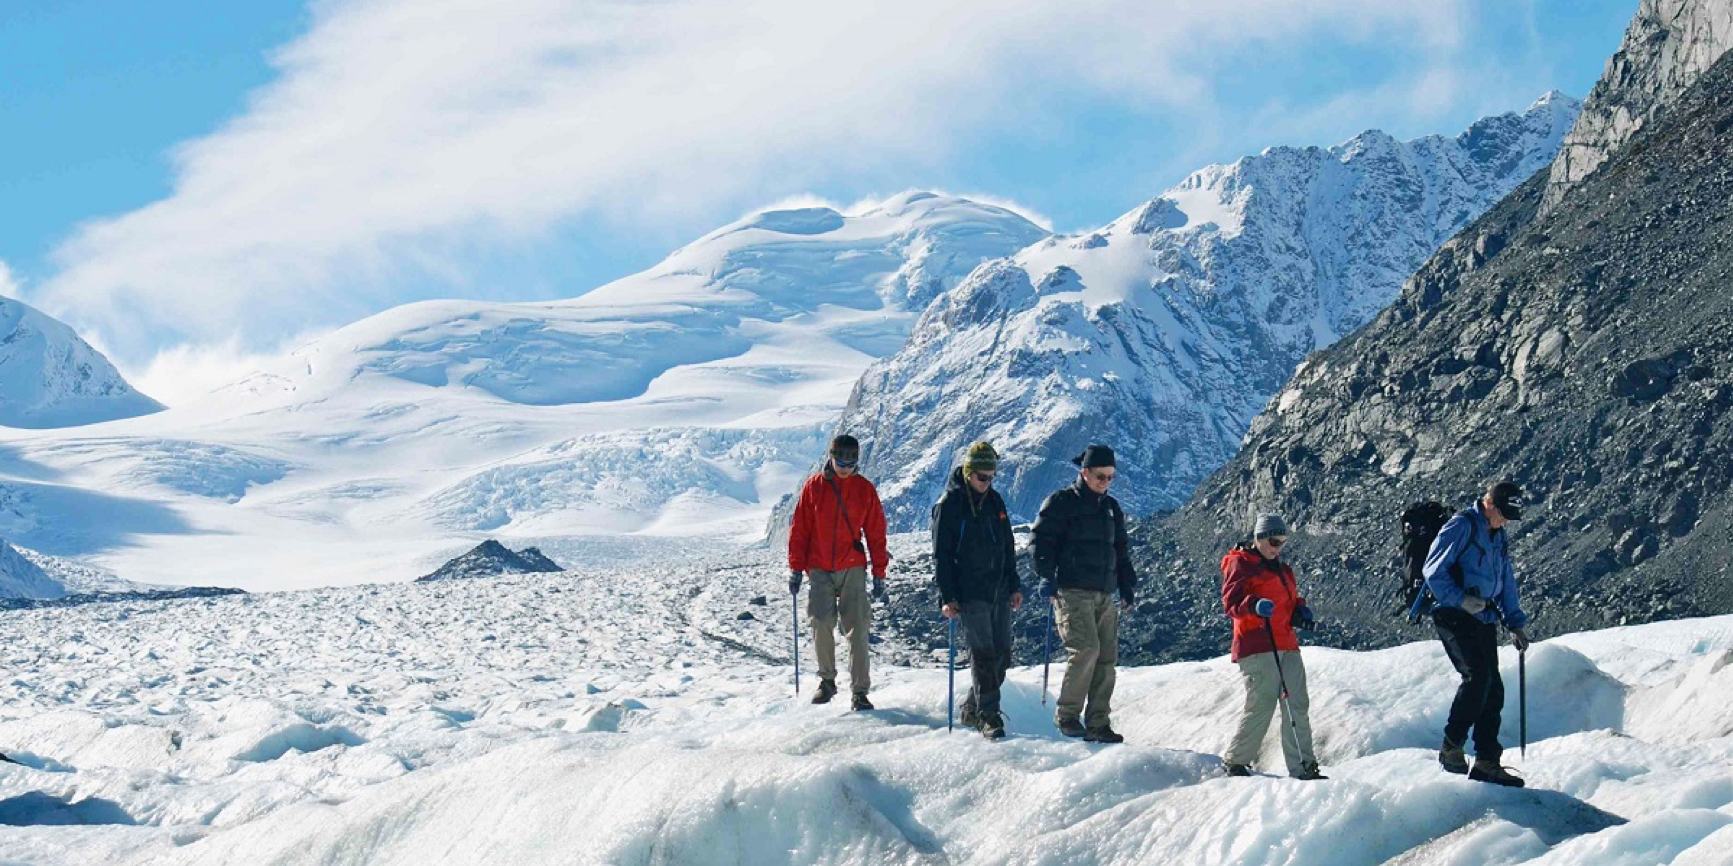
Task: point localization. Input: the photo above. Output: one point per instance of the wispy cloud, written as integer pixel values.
(402, 135)
(8, 283)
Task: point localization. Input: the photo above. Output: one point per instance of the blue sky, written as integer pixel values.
(195, 183)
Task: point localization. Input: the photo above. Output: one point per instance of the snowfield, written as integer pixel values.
(623, 717)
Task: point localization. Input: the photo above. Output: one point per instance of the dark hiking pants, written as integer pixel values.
(987, 630)
(1473, 648)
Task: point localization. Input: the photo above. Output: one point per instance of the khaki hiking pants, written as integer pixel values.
(1263, 695)
(1088, 624)
(840, 598)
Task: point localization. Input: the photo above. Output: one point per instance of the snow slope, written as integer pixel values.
(1166, 331)
(679, 401)
(50, 377)
(612, 716)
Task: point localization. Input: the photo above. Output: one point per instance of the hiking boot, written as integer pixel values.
(1486, 770)
(860, 702)
(1239, 769)
(1451, 758)
(827, 688)
(1070, 727)
(993, 726)
(971, 719)
(1309, 772)
(1102, 734)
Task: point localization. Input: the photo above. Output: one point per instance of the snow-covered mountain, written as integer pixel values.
(1166, 331)
(627, 715)
(681, 401)
(50, 377)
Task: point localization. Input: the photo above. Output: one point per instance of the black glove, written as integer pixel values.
(881, 591)
(1304, 619)
(1048, 590)
(794, 576)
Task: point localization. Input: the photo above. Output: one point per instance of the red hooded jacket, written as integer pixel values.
(822, 537)
(1246, 577)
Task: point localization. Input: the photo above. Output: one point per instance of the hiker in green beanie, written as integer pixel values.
(975, 565)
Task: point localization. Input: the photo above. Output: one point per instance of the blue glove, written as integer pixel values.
(1304, 620)
(1048, 590)
(1264, 608)
(794, 581)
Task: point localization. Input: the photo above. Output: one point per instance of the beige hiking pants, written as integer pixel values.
(840, 598)
(1088, 624)
(1263, 695)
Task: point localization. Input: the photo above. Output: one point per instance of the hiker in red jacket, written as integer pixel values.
(1260, 594)
(836, 508)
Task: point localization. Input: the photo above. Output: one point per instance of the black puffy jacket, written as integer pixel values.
(1081, 542)
(974, 555)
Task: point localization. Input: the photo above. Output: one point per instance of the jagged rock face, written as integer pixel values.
(50, 377)
(492, 559)
(1668, 44)
(1165, 332)
(1585, 354)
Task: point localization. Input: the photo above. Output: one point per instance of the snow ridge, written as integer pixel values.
(1166, 331)
(50, 377)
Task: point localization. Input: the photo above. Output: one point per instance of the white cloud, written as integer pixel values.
(184, 373)
(8, 283)
(401, 133)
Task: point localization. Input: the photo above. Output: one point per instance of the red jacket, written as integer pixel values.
(1246, 577)
(822, 538)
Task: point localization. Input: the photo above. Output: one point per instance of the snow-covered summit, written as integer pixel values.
(679, 400)
(50, 377)
(1164, 332)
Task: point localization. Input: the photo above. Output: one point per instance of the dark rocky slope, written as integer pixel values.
(1587, 353)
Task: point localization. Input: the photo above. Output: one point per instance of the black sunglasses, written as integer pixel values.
(1276, 542)
(983, 477)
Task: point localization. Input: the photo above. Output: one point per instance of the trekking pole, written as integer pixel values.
(1522, 696)
(951, 677)
(794, 621)
(1046, 652)
(1287, 709)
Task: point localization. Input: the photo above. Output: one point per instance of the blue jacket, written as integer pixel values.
(1469, 542)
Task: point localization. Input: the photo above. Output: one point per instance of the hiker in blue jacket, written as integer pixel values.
(1473, 585)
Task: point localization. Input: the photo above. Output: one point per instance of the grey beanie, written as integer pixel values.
(1269, 524)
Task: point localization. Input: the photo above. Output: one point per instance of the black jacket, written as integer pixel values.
(1081, 542)
(974, 556)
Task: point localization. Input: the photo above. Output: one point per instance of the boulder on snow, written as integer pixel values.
(492, 559)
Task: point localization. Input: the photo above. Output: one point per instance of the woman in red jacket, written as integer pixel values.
(1260, 595)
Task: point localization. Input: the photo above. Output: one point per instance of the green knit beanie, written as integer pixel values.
(982, 458)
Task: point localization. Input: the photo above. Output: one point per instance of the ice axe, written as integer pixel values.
(951, 677)
(1522, 697)
(1046, 652)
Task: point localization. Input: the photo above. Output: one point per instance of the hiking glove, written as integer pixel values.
(1047, 590)
(1519, 639)
(1474, 604)
(880, 590)
(794, 582)
(1264, 607)
(1304, 620)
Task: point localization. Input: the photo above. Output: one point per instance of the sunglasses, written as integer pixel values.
(844, 464)
(1276, 542)
(1102, 476)
(984, 477)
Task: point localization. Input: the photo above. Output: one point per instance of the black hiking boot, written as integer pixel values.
(1070, 727)
(1489, 771)
(1451, 758)
(993, 726)
(971, 719)
(1309, 772)
(1239, 769)
(1102, 734)
(826, 691)
(860, 702)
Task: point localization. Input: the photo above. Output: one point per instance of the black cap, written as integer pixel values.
(845, 448)
(1508, 498)
(1094, 456)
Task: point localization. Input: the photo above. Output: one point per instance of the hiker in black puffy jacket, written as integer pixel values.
(975, 565)
(1082, 556)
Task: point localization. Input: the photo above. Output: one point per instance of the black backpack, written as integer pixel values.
(1421, 522)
